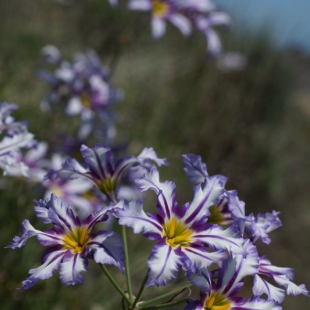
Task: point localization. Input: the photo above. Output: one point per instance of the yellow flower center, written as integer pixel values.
(177, 233)
(160, 8)
(76, 239)
(216, 301)
(57, 191)
(216, 216)
(85, 101)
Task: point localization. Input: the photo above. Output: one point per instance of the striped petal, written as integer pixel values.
(108, 248)
(165, 193)
(255, 304)
(71, 268)
(27, 231)
(205, 196)
(51, 261)
(133, 215)
(237, 267)
(261, 286)
(163, 264)
(199, 258)
(217, 238)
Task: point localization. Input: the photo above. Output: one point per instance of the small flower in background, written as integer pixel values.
(186, 15)
(184, 238)
(78, 193)
(231, 61)
(34, 160)
(83, 89)
(72, 242)
(162, 11)
(14, 135)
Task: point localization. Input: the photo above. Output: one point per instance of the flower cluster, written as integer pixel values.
(14, 135)
(186, 15)
(83, 89)
(210, 238)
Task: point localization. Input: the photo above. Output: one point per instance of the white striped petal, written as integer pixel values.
(71, 268)
(164, 264)
(261, 287)
(133, 215)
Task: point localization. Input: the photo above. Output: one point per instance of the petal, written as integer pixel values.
(202, 279)
(61, 214)
(261, 287)
(218, 238)
(52, 260)
(71, 268)
(108, 248)
(9, 144)
(291, 288)
(141, 5)
(244, 263)
(27, 231)
(165, 192)
(199, 258)
(158, 27)
(256, 303)
(182, 23)
(164, 264)
(214, 43)
(205, 196)
(194, 168)
(133, 215)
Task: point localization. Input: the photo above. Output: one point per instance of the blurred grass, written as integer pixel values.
(250, 126)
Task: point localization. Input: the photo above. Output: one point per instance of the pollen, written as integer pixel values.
(85, 100)
(160, 8)
(177, 233)
(216, 301)
(76, 239)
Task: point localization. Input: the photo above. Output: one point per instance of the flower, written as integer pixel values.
(102, 170)
(219, 288)
(72, 242)
(184, 238)
(230, 209)
(162, 11)
(15, 135)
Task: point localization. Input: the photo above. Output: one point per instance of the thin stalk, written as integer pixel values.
(168, 304)
(141, 290)
(127, 270)
(112, 280)
(158, 298)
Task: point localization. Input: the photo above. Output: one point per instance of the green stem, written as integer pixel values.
(168, 304)
(109, 276)
(141, 290)
(127, 271)
(175, 292)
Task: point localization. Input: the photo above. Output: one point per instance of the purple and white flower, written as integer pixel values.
(72, 242)
(184, 238)
(162, 11)
(219, 288)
